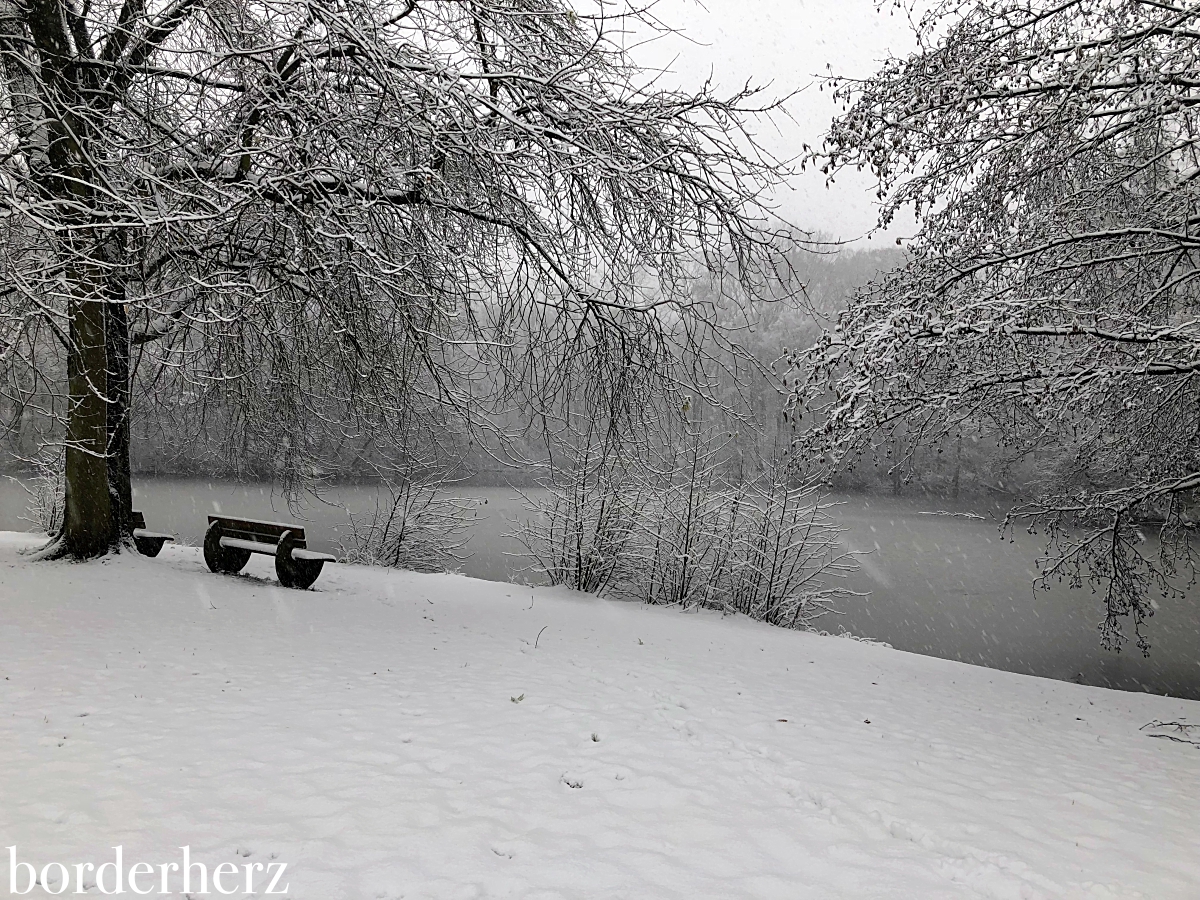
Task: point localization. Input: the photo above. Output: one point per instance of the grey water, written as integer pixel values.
(938, 584)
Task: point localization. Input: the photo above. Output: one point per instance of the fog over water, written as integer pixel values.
(935, 583)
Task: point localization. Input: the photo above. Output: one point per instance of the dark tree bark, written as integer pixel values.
(119, 485)
(87, 529)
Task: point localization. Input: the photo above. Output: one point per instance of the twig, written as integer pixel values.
(1182, 727)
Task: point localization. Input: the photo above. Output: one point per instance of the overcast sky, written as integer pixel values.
(789, 43)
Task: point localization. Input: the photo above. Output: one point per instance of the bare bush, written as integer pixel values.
(46, 491)
(684, 543)
(681, 532)
(419, 527)
(580, 533)
(785, 555)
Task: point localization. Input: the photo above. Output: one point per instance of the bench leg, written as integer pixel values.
(295, 573)
(226, 560)
(148, 546)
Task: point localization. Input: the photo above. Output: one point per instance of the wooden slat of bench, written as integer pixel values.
(252, 546)
(256, 526)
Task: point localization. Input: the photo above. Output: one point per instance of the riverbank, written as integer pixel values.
(950, 586)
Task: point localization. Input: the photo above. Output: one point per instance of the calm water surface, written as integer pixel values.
(944, 586)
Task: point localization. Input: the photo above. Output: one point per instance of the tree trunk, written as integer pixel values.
(87, 526)
(50, 108)
(119, 485)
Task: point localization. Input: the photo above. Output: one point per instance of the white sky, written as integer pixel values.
(789, 44)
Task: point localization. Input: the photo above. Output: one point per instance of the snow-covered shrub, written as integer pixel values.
(680, 531)
(785, 554)
(46, 491)
(684, 538)
(583, 524)
(418, 526)
(763, 547)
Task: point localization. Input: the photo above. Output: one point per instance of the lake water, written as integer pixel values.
(944, 586)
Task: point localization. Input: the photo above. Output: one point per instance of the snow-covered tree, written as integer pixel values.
(1049, 152)
(324, 219)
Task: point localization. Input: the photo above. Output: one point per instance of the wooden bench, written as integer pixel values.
(148, 543)
(229, 541)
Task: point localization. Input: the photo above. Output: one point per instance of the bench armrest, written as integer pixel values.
(312, 555)
(154, 535)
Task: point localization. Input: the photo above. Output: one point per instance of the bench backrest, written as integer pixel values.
(256, 530)
(139, 520)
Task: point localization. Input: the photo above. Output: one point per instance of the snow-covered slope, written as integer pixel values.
(368, 733)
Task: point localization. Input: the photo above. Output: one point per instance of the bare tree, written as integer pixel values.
(1049, 152)
(316, 222)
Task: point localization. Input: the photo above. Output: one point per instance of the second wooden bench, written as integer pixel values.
(229, 541)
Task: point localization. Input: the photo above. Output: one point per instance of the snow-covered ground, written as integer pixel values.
(391, 735)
